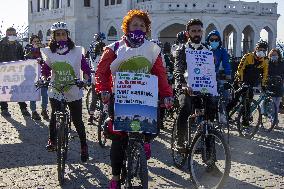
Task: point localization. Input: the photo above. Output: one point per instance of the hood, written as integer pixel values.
(214, 32)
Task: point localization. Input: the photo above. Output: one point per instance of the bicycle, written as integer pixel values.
(242, 109)
(63, 125)
(135, 170)
(209, 160)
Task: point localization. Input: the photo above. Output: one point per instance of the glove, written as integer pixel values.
(105, 96)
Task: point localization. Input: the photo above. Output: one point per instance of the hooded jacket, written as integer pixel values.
(220, 54)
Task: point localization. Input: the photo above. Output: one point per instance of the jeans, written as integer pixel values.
(277, 100)
(44, 100)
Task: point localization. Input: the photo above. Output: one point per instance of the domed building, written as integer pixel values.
(239, 22)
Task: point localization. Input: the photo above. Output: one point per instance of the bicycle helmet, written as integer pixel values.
(99, 36)
(59, 26)
(262, 44)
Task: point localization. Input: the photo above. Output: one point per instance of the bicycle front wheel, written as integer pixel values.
(91, 101)
(269, 115)
(137, 169)
(62, 148)
(209, 160)
(248, 130)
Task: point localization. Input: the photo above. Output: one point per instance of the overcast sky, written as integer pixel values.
(16, 12)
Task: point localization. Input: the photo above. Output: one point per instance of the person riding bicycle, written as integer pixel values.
(276, 78)
(189, 103)
(63, 63)
(135, 25)
(95, 53)
(252, 68)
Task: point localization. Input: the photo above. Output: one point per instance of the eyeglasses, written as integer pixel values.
(212, 40)
(196, 31)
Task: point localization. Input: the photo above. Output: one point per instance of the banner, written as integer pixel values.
(17, 81)
(136, 102)
(201, 71)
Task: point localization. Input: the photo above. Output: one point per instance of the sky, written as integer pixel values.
(16, 12)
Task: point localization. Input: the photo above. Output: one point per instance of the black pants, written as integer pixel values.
(4, 105)
(188, 104)
(75, 108)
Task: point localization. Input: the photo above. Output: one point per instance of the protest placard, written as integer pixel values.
(17, 81)
(201, 71)
(136, 100)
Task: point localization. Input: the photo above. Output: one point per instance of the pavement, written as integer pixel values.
(24, 163)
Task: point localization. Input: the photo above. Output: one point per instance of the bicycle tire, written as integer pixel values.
(242, 131)
(270, 115)
(62, 147)
(184, 153)
(101, 136)
(227, 159)
(136, 150)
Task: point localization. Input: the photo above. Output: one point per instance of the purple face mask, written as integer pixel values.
(62, 44)
(137, 36)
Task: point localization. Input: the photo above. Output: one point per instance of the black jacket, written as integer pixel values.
(10, 51)
(276, 78)
(180, 65)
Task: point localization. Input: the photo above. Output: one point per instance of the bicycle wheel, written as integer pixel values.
(62, 147)
(209, 160)
(91, 101)
(101, 117)
(179, 154)
(137, 169)
(269, 116)
(248, 131)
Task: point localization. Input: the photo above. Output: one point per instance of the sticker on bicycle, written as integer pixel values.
(17, 81)
(201, 71)
(136, 100)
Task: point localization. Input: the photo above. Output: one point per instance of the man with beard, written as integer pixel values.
(188, 103)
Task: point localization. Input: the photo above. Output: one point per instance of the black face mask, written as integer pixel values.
(196, 39)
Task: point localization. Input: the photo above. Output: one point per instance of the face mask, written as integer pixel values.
(214, 44)
(137, 36)
(12, 38)
(62, 44)
(274, 58)
(260, 54)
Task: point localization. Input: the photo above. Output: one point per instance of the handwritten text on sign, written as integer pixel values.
(201, 71)
(136, 88)
(17, 81)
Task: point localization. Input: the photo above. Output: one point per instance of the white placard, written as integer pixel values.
(136, 88)
(17, 81)
(201, 71)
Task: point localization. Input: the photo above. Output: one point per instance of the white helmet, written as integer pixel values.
(157, 41)
(59, 26)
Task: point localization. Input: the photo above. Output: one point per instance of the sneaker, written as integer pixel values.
(147, 149)
(44, 114)
(36, 116)
(51, 146)
(114, 184)
(5, 113)
(84, 153)
(25, 113)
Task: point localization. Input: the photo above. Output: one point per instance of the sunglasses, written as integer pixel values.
(212, 40)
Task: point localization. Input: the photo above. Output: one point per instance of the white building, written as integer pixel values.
(237, 20)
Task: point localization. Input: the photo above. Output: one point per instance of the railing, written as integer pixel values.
(237, 7)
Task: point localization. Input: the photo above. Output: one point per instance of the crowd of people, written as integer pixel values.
(169, 66)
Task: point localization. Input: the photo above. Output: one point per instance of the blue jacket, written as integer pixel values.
(220, 54)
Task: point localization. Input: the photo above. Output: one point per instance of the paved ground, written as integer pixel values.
(24, 162)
